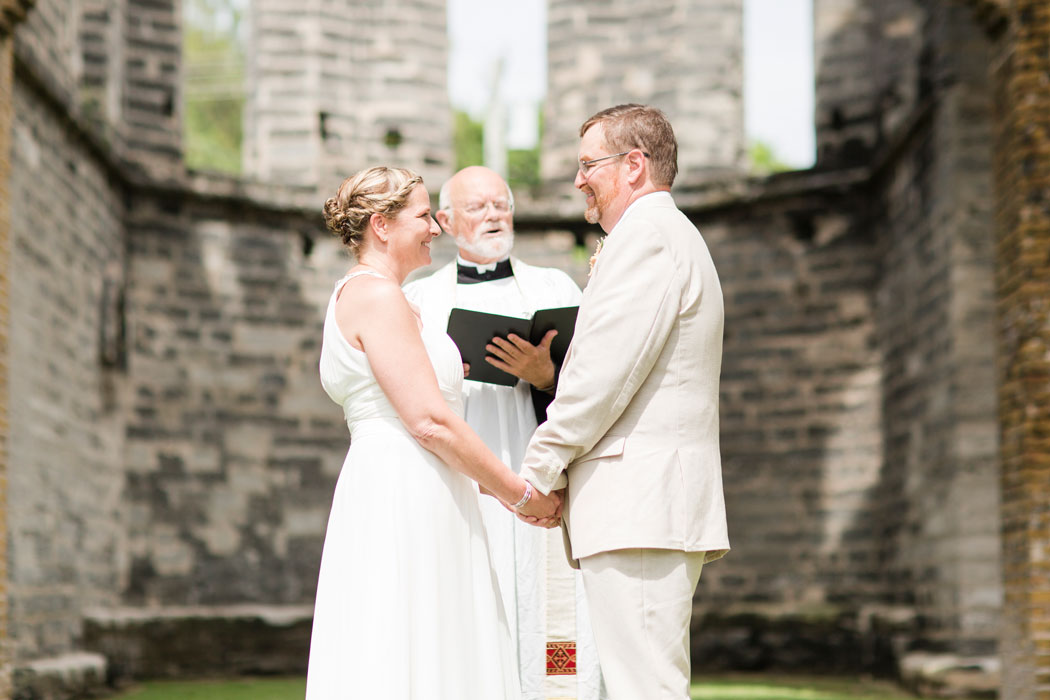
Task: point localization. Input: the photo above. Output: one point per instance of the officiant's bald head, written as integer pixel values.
(476, 208)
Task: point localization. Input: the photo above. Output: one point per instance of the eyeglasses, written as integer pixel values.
(501, 206)
(587, 165)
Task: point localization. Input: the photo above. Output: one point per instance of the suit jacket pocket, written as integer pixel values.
(608, 446)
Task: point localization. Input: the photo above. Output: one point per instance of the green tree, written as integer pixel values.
(763, 160)
(523, 165)
(213, 53)
(467, 139)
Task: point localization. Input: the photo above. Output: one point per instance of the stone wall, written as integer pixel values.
(938, 497)
(867, 57)
(149, 59)
(12, 12)
(6, 117)
(800, 428)
(232, 447)
(67, 518)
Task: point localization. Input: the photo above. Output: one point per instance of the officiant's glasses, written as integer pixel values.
(502, 206)
(587, 165)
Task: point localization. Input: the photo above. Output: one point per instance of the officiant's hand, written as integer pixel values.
(519, 357)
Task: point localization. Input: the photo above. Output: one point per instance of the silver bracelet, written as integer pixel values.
(525, 498)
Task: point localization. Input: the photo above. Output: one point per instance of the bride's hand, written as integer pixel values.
(542, 510)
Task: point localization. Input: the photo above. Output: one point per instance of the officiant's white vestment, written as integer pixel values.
(542, 595)
(634, 428)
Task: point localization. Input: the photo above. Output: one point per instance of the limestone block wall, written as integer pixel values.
(335, 87)
(684, 57)
(800, 414)
(151, 83)
(866, 58)
(101, 44)
(65, 510)
(114, 64)
(47, 40)
(936, 307)
(232, 447)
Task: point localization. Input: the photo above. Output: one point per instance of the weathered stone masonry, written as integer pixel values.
(11, 13)
(1022, 172)
(170, 455)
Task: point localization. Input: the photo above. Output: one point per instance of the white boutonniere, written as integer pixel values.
(594, 257)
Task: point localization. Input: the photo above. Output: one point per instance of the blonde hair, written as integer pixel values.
(630, 126)
(378, 190)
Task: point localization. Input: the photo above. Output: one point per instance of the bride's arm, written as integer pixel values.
(377, 318)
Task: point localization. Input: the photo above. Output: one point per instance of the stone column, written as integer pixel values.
(683, 56)
(11, 13)
(152, 85)
(332, 89)
(1022, 172)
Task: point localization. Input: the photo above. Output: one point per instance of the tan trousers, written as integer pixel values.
(641, 601)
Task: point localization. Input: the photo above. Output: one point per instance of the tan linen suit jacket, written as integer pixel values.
(634, 424)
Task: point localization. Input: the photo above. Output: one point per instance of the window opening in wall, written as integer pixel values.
(497, 80)
(214, 38)
(778, 84)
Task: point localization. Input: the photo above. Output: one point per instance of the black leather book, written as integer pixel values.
(473, 330)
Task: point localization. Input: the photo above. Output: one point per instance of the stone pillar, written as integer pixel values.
(11, 12)
(332, 88)
(682, 56)
(152, 84)
(1022, 172)
(866, 55)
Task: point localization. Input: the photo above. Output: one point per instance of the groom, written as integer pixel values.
(634, 425)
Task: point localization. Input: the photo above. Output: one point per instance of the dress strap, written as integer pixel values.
(342, 283)
(373, 273)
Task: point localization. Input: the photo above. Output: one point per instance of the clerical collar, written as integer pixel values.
(472, 273)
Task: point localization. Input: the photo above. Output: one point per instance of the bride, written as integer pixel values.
(407, 605)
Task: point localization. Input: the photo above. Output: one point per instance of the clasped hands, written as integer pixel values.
(541, 510)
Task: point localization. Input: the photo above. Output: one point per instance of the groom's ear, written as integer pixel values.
(636, 166)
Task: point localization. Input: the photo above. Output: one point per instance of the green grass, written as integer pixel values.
(246, 689)
(723, 687)
(770, 687)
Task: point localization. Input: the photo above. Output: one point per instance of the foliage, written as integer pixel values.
(214, 87)
(764, 161)
(467, 139)
(523, 165)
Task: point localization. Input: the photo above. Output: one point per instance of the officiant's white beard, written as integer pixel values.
(489, 248)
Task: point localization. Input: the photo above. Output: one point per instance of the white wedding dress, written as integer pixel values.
(407, 604)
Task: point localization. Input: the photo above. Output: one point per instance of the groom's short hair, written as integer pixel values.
(643, 127)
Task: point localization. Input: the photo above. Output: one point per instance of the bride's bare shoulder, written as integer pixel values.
(370, 293)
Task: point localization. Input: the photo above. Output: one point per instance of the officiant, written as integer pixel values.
(542, 596)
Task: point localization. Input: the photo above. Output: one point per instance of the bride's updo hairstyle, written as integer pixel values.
(378, 190)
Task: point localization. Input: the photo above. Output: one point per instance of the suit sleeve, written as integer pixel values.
(629, 309)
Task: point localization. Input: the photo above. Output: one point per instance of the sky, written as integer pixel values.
(778, 68)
